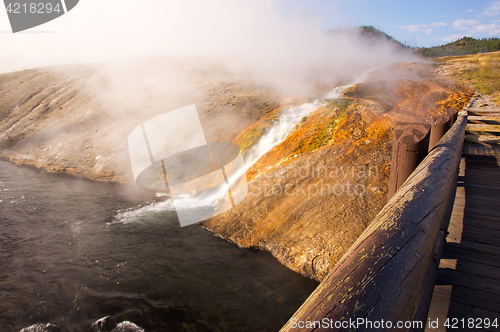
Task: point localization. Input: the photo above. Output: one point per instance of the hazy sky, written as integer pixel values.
(114, 29)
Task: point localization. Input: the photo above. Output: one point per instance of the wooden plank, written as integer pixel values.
(443, 306)
(480, 150)
(480, 247)
(481, 190)
(488, 168)
(482, 196)
(484, 171)
(473, 197)
(482, 221)
(482, 112)
(484, 160)
(482, 179)
(483, 127)
(474, 234)
(474, 297)
(452, 250)
(474, 268)
(483, 205)
(485, 163)
(466, 238)
(466, 311)
(480, 212)
(455, 277)
(482, 138)
(483, 118)
(481, 174)
(440, 303)
(485, 226)
(484, 115)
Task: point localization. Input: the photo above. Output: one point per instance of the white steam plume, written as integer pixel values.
(257, 37)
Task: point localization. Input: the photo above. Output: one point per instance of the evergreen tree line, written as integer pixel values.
(466, 45)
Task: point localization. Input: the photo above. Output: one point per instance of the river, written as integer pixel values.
(73, 251)
(67, 259)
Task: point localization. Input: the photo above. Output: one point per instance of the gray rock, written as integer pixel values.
(105, 324)
(108, 324)
(42, 328)
(127, 327)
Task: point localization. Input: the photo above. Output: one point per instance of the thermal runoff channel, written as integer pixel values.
(281, 128)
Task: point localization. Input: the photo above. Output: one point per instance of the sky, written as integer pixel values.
(420, 23)
(98, 30)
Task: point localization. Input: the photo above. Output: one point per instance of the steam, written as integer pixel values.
(287, 121)
(263, 39)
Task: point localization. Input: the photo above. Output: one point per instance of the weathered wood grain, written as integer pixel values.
(410, 146)
(440, 125)
(453, 112)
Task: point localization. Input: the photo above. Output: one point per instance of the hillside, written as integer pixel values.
(466, 45)
(371, 35)
(76, 119)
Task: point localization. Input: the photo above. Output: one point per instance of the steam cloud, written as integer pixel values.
(263, 39)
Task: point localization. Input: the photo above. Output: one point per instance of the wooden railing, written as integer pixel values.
(387, 276)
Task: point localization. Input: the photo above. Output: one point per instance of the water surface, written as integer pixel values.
(67, 259)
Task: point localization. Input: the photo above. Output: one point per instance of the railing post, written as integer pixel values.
(440, 125)
(453, 112)
(410, 146)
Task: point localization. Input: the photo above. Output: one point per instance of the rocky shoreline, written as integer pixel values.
(76, 119)
(105, 324)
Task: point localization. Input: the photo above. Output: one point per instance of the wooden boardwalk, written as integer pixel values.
(468, 281)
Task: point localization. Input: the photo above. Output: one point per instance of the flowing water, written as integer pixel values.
(277, 134)
(66, 259)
